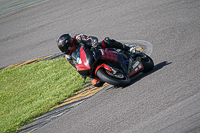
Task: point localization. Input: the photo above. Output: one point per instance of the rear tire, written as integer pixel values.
(147, 63)
(103, 75)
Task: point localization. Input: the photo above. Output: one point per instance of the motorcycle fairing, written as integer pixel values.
(83, 60)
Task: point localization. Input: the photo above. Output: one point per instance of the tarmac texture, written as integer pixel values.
(164, 100)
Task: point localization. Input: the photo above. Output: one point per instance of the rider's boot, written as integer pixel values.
(97, 83)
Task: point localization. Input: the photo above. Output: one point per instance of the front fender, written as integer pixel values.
(103, 66)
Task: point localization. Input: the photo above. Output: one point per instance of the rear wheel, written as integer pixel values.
(118, 79)
(147, 63)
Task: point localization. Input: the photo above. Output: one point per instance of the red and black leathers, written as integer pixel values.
(80, 39)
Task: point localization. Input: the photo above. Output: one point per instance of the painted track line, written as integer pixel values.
(49, 57)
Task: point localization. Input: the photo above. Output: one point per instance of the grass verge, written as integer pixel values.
(31, 90)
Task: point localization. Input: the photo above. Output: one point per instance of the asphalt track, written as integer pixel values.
(164, 100)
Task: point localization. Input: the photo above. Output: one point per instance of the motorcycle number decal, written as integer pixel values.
(136, 64)
(79, 60)
(136, 68)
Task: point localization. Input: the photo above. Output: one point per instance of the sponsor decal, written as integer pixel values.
(140, 66)
(137, 69)
(136, 64)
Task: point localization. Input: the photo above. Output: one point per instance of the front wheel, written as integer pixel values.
(118, 79)
(147, 63)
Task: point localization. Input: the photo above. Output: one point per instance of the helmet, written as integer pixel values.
(64, 43)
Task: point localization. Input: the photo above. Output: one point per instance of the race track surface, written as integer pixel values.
(165, 100)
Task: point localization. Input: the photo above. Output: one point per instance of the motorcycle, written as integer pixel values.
(111, 65)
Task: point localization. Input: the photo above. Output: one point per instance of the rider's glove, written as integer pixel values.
(132, 50)
(95, 45)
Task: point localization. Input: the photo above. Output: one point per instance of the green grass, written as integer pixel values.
(31, 90)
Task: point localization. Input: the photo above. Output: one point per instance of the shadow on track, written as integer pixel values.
(142, 75)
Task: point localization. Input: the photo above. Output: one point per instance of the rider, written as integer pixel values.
(68, 45)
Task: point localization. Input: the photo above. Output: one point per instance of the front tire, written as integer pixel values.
(121, 81)
(147, 63)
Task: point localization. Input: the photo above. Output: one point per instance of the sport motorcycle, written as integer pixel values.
(114, 66)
